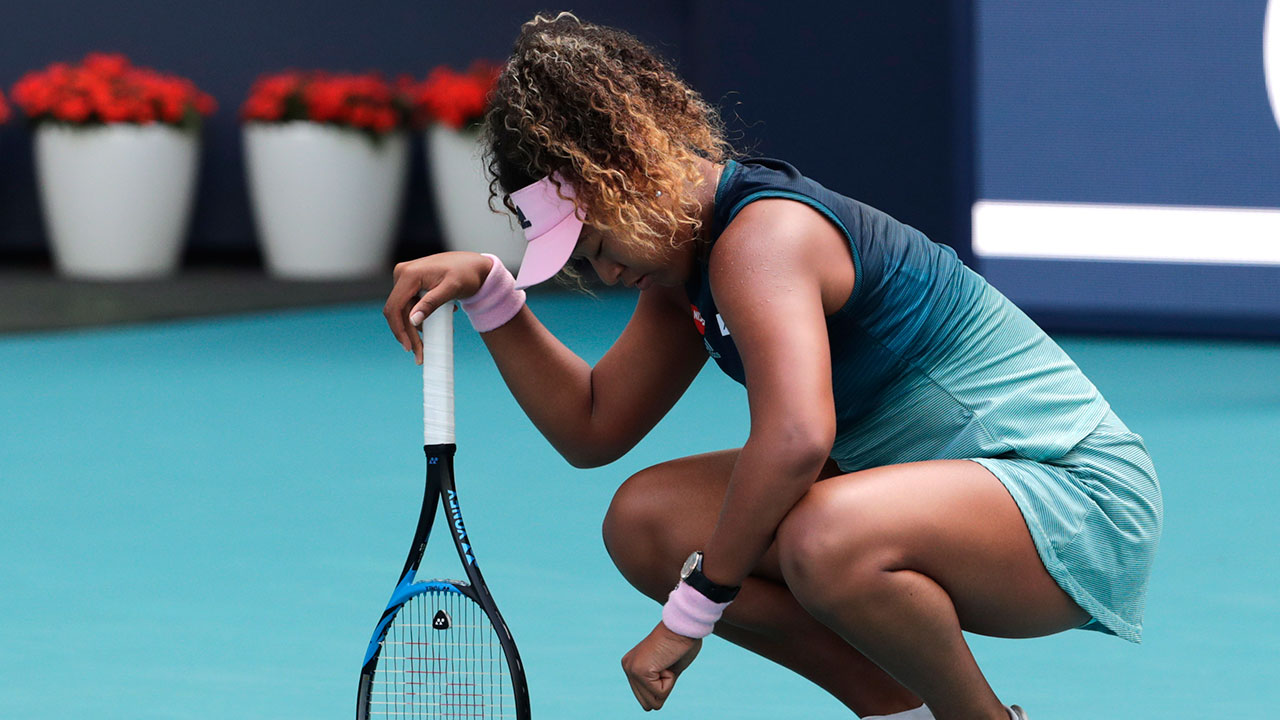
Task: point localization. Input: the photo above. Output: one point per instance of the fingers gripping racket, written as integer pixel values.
(441, 648)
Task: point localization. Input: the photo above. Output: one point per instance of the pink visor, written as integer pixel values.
(551, 225)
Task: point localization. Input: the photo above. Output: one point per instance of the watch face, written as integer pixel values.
(690, 565)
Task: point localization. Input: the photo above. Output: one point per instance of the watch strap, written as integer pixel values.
(712, 591)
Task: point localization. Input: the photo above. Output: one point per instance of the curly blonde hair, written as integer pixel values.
(599, 107)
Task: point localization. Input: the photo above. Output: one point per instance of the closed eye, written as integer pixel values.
(581, 252)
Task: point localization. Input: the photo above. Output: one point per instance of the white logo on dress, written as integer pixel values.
(724, 331)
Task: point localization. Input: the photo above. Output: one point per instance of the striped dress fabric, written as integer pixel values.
(931, 362)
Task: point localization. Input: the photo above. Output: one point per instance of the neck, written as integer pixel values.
(706, 193)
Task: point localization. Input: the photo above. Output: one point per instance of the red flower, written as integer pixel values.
(205, 104)
(262, 108)
(384, 120)
(106, 65)
(362, 116)
(267, 98)
(365, 102)
(456, 99)
(73, 108)
(116, 111)
(326, 99)
(106, 88)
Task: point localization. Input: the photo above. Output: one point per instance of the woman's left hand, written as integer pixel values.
(653, 666)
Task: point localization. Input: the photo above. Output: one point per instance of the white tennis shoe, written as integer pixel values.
(922, 713)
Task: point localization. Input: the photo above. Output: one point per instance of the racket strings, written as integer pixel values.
(428, 671)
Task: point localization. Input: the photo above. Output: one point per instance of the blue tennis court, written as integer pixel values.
(202, 519)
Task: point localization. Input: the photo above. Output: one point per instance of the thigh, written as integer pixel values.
(661, 514)
(951, 520)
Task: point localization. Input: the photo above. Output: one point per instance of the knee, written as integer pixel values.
(834, 553)
(807, 552)
(631, 517)
(635, 527)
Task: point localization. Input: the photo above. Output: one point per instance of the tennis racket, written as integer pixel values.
(441, 648)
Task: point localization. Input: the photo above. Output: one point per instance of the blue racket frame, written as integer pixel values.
(439, 490)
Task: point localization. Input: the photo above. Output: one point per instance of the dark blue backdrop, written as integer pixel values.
(1146, 102)
(861, 95)
(1156, 102)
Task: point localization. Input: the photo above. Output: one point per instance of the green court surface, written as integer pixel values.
(204, 519)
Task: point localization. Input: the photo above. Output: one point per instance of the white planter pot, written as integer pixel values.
(117, 198)
(326, 199)
(461, 188)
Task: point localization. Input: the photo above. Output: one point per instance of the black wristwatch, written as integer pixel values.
(692, 575)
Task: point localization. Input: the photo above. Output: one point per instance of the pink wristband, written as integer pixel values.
(689, 612)
(498, 300)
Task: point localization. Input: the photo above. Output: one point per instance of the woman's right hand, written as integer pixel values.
(443, 277)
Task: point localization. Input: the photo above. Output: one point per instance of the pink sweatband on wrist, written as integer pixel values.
(689, 612)
(498, 300)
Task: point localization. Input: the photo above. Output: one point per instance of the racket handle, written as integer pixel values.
(437, 377)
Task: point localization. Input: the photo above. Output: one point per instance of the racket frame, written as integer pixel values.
(440, 491)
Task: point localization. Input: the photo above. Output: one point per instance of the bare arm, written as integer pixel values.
(777, 270)
(592, 416)
(595, 415)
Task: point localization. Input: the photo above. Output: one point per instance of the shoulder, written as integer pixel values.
(778, 235)
(773, 226)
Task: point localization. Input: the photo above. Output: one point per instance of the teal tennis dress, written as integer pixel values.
(930, 362)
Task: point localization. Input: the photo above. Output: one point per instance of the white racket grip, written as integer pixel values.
(437, 376)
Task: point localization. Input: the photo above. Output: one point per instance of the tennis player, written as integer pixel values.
(922, 458)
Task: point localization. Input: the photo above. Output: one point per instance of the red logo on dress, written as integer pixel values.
(697, 320)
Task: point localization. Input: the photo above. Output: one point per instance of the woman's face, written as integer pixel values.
(616, 260)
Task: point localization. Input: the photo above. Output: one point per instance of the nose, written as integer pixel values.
(608, 270)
